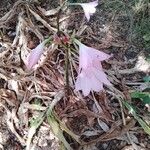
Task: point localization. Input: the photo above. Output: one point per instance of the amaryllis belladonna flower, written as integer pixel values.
(89, 8)
(35, 55)
(91, 76)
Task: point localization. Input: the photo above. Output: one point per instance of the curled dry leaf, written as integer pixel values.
(39, 18)
(50, 12)
(9, 96)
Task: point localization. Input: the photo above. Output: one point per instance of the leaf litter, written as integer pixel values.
(34, 106)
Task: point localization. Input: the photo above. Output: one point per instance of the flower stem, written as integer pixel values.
(48, 40)
(73, 4)
(77, 41)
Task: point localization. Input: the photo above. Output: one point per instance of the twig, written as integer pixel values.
(125, 71)
(67, 69)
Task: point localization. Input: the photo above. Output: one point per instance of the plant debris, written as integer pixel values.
(39, 112)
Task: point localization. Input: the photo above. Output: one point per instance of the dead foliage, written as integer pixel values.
(24, 95)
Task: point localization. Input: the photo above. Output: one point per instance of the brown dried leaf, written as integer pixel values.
(9, 96)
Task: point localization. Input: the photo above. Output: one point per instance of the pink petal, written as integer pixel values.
(94, 53)
(85, 86)
(91, 75)
(96, 84)
(35, 55)
(97, 64)
(84, 59)
(87, 15)
(101, 76)
(94, 3)
(82, 83)
(89, 8)
(87, 54)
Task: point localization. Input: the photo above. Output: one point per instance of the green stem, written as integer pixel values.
(73, 4)
(77, 41)
(48, 40)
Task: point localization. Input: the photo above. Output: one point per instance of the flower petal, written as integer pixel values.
(87, 15)
(97, 64)
(94, 3)
(85, 86)
(91, 76)
(101, 76)
(89, 8)
(35, 55)
(82, 83)
(91, 53)
(96, 84)
(97, 54)
(84, 58)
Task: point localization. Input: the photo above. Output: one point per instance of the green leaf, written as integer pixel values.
(55, 126)
(143, 124)
(35, 124)
(144, 96)
(146, 37)
(146, 79)
(130, 108)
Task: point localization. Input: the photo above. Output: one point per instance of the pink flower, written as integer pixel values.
(91, 75)
(35, 55)
(89, 8)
